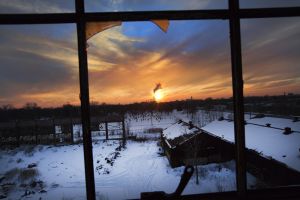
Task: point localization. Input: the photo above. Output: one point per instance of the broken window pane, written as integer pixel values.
(162, 24)
(92, 28)
(167, 86)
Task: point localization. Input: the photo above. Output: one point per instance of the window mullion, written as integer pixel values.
(84, 98)
(238, 102)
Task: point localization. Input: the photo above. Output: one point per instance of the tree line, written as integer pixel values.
(281, 105)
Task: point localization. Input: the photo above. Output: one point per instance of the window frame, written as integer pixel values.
(233, 14)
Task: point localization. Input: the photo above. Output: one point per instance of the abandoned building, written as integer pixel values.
(185, 144)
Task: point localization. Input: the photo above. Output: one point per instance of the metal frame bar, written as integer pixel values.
(238, 97)
(58, 18)
(233, 14)
(85, 102)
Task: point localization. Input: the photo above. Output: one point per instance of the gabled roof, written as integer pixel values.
(179, 132)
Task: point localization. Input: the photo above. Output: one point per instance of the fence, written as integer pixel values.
(48, 131)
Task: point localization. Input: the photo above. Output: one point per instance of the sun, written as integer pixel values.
(158, 95)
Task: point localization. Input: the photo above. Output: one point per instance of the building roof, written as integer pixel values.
(179, 132)
(268, 141)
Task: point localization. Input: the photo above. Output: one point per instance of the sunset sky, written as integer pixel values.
(39, 63)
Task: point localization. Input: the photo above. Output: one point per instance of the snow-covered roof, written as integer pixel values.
(275, 122)
(179, 132)
(269, 142)
(178, 129)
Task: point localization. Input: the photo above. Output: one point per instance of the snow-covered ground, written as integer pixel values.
(269, 142)
(119, 173)
(122, 173)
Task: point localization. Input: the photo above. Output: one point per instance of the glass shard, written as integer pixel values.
(92, 28)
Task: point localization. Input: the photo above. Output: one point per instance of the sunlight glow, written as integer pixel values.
(158, 95)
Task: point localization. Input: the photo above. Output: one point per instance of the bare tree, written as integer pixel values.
(31, 105)
(7, 107)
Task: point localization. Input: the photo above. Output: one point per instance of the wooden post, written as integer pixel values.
(72, 134)
(54, 134)
(53, 129)
(17, 133)
(124, 132)
(36, 132)
(106, 130)
(197, 174)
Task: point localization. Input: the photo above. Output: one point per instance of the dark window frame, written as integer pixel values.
(233, 14)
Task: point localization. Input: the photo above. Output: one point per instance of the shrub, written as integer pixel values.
(12, 173)
(140, 139)
(26, 174)
(29, 150)
(203, 172)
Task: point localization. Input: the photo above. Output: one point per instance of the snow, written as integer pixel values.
(275, 122)
(140, 123)
(178, 129)
(136, 125)
(267, 141)
(138, 168)
(120, 173)
(55, 164)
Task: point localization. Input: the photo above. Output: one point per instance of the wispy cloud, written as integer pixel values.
(271, 55)
(39, 63)
(36, 6)
(141, 5)
(35, 64)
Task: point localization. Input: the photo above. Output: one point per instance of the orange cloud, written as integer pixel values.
(124, 69)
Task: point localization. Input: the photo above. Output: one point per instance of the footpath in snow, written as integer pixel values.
(119, 173)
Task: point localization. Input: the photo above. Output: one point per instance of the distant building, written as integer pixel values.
(219, 107)
(185, 144)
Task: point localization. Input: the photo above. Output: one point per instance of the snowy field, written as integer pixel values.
(119, 173)
(57, 172)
